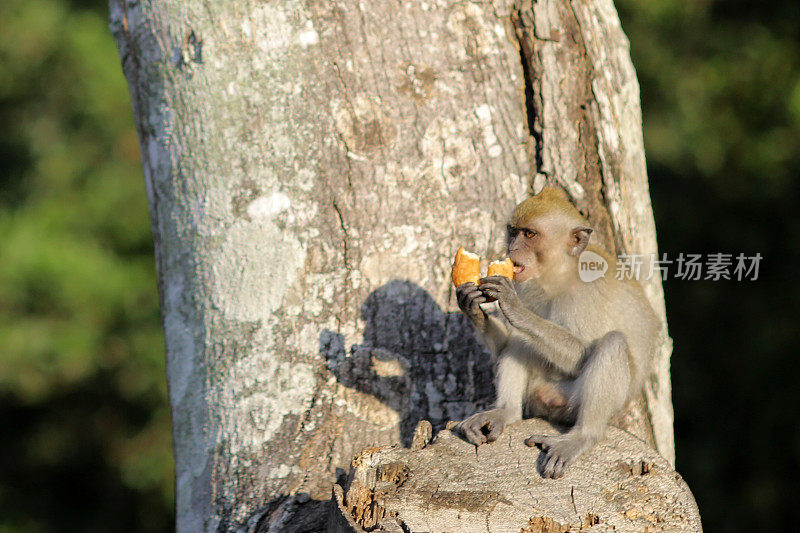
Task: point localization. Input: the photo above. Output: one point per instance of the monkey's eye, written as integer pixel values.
(530, 234)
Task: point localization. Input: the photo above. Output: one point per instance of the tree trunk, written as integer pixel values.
(621, 485)
(311, 168)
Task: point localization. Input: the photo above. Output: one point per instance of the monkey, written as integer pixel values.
(571, 352)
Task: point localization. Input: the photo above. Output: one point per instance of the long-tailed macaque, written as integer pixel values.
(569, 351)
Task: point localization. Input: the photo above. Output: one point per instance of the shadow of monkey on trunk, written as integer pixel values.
(415, 358)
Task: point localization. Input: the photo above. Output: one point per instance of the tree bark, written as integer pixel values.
(621, 485)
(311, 167)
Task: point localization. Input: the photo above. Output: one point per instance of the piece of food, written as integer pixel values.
(502, 268)
(466, 268)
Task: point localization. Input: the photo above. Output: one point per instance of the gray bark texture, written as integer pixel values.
(621, 485)
(311, 168)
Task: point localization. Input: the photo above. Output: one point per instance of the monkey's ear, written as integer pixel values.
(579, 238)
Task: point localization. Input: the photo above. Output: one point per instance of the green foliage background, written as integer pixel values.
(83, 413)
(84, 418)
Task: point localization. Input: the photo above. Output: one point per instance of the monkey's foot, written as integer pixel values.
(482, 427)
(559, 451)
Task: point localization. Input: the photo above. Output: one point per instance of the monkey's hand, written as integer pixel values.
(482, 427)
(502, 289)
(470, 297)
(559, 451)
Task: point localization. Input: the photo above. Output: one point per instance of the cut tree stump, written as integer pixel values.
(450, 485)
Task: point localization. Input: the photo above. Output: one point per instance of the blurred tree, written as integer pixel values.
(82, 390)
(721, 103)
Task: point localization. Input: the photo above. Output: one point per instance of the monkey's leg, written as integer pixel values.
(601, 391)
(486, 426)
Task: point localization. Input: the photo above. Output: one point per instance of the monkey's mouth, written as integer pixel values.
(518, 269)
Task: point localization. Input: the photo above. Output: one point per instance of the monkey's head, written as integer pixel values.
(546, 233)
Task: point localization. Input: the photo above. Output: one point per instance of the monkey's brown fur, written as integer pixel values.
(550, 201)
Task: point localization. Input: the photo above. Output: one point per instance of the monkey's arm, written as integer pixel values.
(495, 335)
(556, 344)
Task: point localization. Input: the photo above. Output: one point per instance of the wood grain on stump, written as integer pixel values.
(451, 486)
